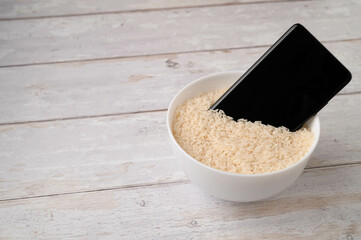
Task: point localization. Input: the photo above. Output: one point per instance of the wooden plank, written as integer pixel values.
(41, 8)
(144, 33)
(323, 204)
(67, 156)
(70, 90)
(119, 151)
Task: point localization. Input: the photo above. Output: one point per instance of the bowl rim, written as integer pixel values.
(170, 132)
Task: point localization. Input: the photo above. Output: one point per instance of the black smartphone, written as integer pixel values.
(288, 85)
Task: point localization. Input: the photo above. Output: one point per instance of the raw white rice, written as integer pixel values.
(238, 147)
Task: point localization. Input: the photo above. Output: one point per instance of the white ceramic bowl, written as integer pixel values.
(232, 186)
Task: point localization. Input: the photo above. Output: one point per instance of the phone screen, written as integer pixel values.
(289, 84)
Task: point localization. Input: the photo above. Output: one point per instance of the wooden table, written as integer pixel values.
(84, 89)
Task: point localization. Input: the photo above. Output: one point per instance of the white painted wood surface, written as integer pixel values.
(324, 204)
(84, 152)
(10, 9)
(127, 85)
(195, 29)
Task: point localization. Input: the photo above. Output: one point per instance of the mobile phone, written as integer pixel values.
(289, 84)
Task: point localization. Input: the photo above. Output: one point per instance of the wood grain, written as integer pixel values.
(53, 8)
(129, 150)
(92, 79)
(92, 88)
(146, 33)
(323, 204)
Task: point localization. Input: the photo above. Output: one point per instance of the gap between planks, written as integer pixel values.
(83, 117)
(148, 10)
(146, 185)
(160, 54)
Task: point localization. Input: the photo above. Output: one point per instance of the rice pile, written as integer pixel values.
(238, 147)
